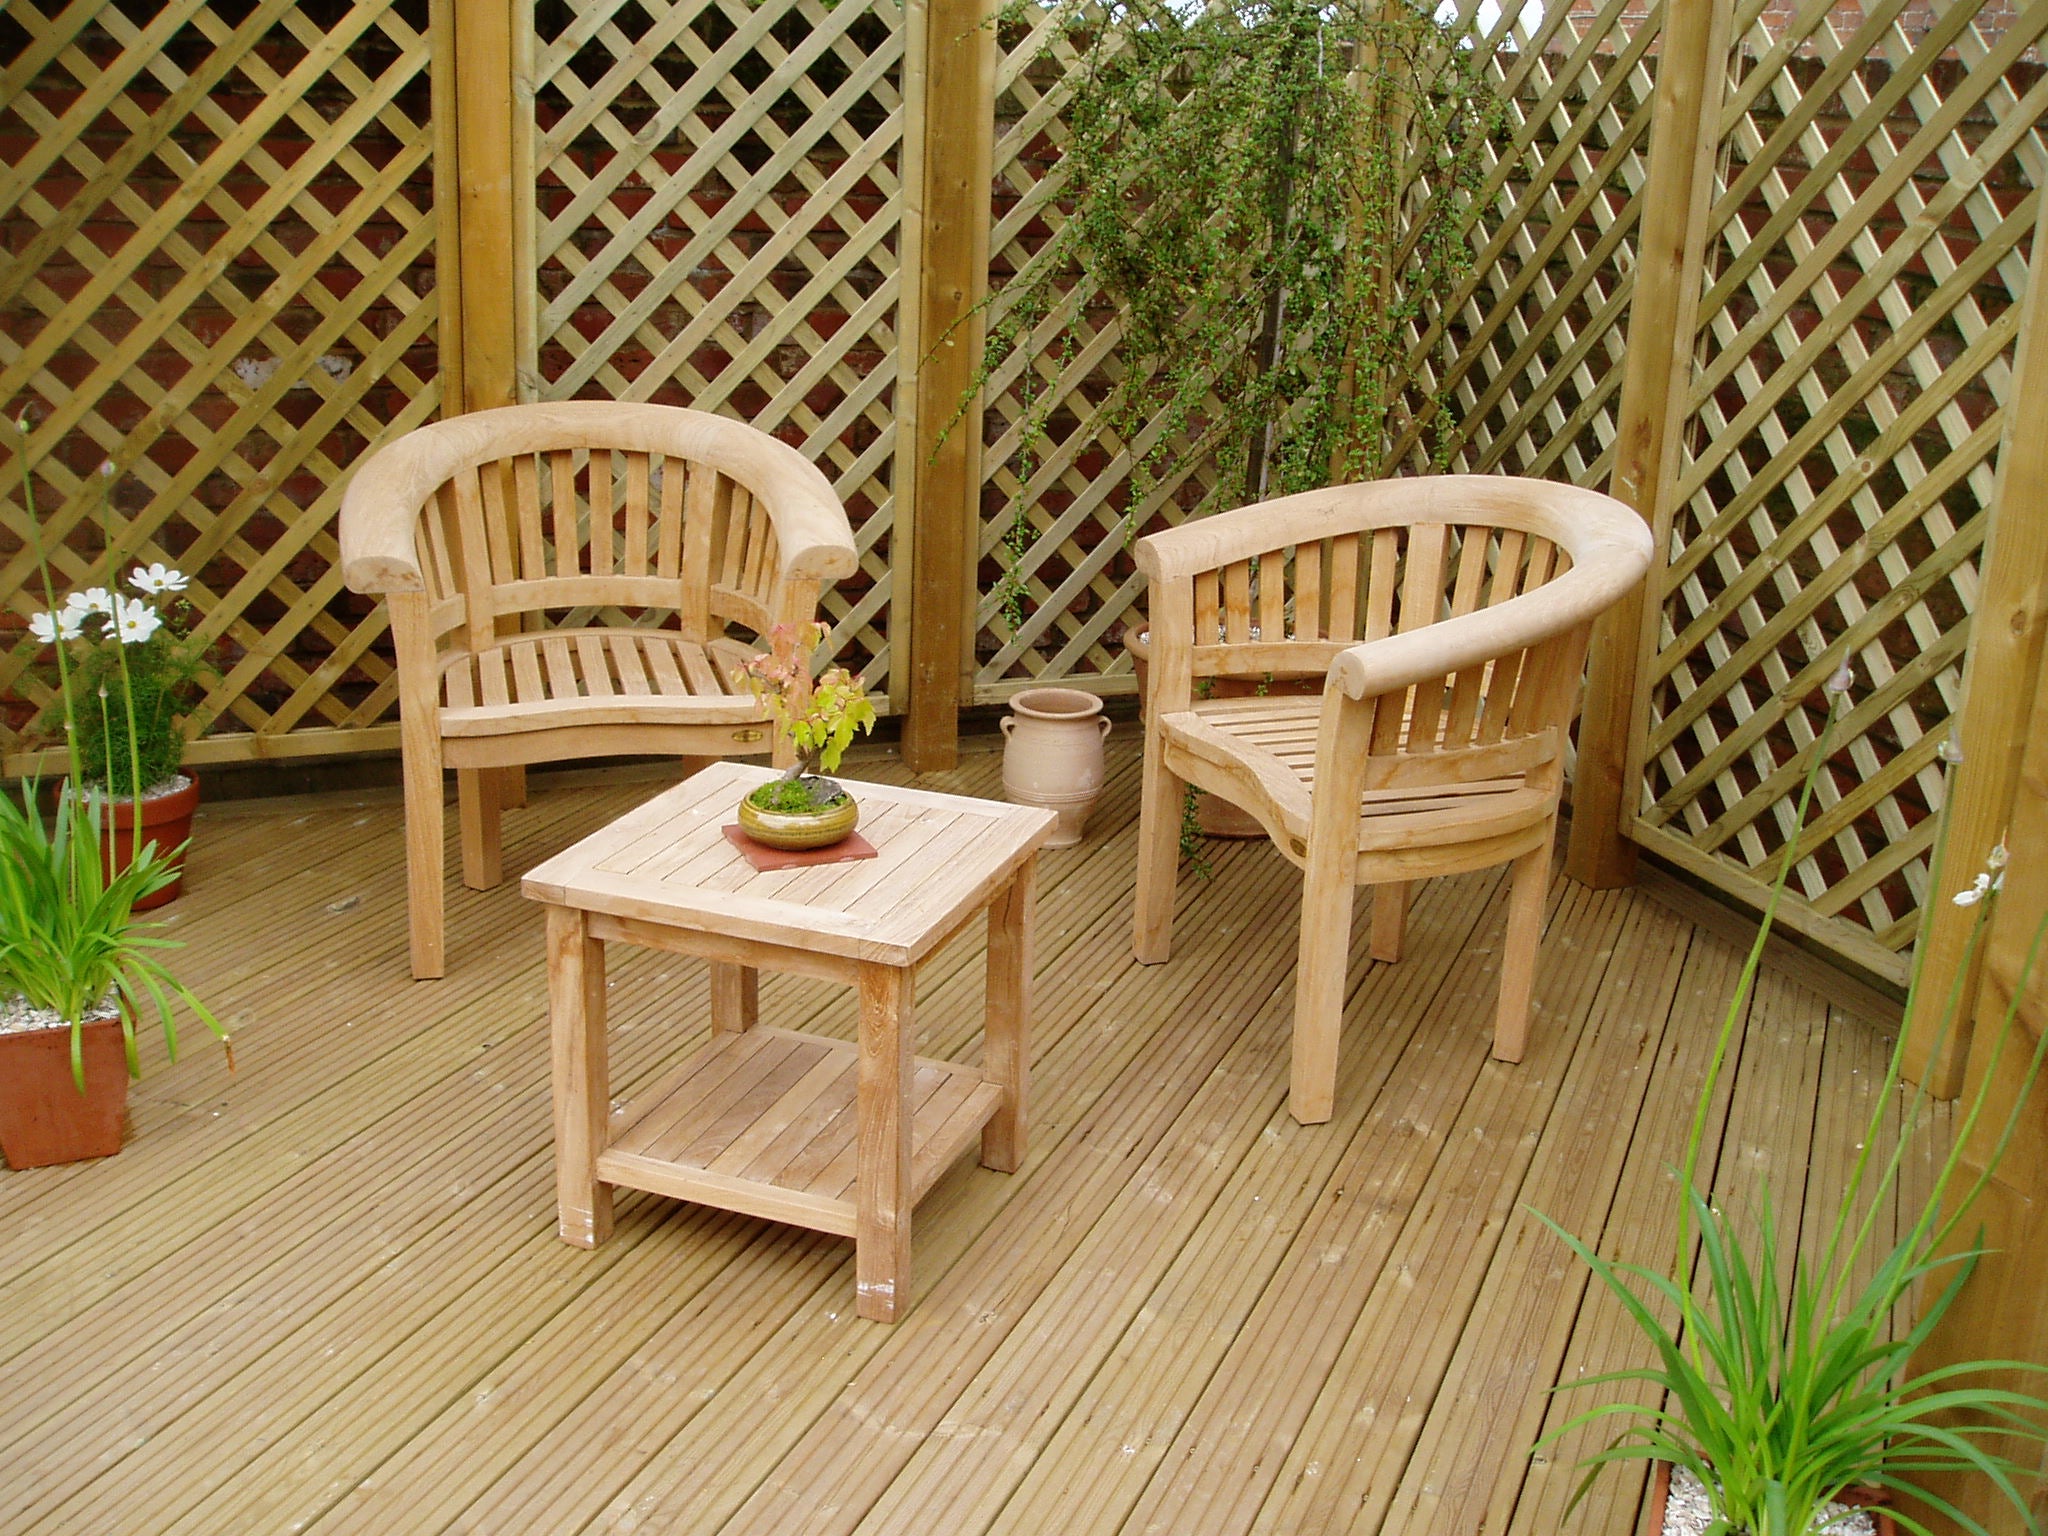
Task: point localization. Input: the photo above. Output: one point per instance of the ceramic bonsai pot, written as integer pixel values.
(801, 829)
(166, 822)
(44, 1119)
(1052, 756)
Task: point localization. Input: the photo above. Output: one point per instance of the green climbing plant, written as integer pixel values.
(1274, 196)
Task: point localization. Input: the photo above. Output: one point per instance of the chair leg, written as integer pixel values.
(512, 788)
(1326, 896)
(476, 794)
(1528, 886)
(1319, 969)
(1389, 920)
(1158, 858)
(423, 863)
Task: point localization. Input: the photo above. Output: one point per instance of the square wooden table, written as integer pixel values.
(822, 1133)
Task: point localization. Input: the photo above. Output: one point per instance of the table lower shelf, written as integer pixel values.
(765, 1123)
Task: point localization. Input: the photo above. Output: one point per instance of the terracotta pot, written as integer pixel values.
(1660, 1491)
(166, 822)
(1216, 816)
(1053, 756)
(44, 1119)
(803, 829)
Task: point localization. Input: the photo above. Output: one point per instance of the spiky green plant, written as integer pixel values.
(1778, 1395)
(70, 941)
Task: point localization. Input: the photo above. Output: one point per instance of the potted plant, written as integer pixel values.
(77, 967)
(125, 680)
(130, 675)
(818, 717)
(1780, 1390)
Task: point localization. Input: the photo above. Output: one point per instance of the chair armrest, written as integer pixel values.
(811, 528)
(1577, 597)
(379, 511)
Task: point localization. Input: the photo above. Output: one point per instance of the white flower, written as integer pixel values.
(1843, 680)
(156, 577)
(135, 620)
(1950, 751)
(1998, 857)
(1979, 889)
(91, 600)
(47, 627)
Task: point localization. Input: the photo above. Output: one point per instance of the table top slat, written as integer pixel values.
(938, 857)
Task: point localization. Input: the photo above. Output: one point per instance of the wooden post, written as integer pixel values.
(1692, 74)
(487, 282)
(1998, 1315)
(1999, 682)
(447, 205)
(484, 263)
(953, 76)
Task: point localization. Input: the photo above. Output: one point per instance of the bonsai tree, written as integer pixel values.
(818, 716)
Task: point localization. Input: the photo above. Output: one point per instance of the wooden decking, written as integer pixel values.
(326, 1294)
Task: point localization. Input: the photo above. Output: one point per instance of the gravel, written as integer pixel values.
(1686, 1512)
(18, 1018)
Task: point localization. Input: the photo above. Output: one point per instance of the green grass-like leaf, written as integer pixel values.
(69, 936)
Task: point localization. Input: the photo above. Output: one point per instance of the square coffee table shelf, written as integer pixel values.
(838, 1136)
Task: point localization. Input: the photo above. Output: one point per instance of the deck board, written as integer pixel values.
(326, 1294)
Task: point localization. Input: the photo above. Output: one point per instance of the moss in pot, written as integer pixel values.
(817, 719)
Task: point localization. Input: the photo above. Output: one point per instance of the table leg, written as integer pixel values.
(735, 997)
(882, 1193)
(1006, 1031)
(582, 1077)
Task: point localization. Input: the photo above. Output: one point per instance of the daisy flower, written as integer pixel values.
(156, 577)
(48, 627)
(91, 600)
(135, 620)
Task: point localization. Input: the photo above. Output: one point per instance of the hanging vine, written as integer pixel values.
(1274, 195)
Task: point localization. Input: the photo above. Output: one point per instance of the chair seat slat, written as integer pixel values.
(591, 675)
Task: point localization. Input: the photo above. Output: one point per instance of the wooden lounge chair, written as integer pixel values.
(1451, 617)
(529, 630)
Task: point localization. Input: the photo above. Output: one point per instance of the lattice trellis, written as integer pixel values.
(219, 243)
(1527, 359)
(1868, 247)
(219, 280)
(718, 222)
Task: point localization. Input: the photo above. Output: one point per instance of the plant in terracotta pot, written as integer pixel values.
(130, 678)
(77, 967)
(1782, 1395)
(818, 716)
(125, 673)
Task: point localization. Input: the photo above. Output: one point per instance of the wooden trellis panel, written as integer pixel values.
(1060, 521)
(218, 279)
(1868, 244)
(1526, 352)
(716, 219)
